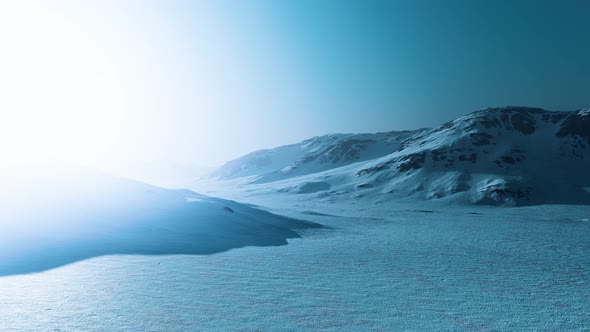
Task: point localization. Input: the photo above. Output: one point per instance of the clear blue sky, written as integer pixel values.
(206, 81)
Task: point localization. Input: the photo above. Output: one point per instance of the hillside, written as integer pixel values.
(497, 156)
(311, 156)
(55, 215)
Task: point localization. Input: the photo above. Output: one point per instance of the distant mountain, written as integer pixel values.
(161, 173)
(497, 156)
(311, 156)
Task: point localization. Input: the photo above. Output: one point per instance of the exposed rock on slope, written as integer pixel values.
(499, 156)
(510, 155)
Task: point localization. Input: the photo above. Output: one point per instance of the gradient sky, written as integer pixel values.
(113, 82)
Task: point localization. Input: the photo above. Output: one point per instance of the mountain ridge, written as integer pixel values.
(511, 155)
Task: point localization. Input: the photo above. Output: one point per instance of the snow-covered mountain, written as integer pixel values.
(311, 156)
(497, 156)
(55, 215)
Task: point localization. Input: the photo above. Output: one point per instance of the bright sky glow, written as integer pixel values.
(111, 84)
(73, 88)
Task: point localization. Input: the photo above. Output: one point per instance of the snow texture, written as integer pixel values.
(388, 267)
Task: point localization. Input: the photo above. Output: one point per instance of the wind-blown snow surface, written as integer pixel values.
(53, 216)
(380, 268)
(499, 156)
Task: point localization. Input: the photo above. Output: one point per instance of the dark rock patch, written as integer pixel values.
(412, 161)
(576, 125)
(522, 193)
(481, 139)
(373, 169)
(507, 160)
(438, 154)
(319, 214)
(554, 117)
(502, 160)
(490, 123)
(470, 157)
(523, 122)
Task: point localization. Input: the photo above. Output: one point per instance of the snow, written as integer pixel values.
(68, 214)
(384, 267)
(310, 156)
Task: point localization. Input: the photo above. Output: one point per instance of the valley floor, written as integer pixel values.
(383, 268)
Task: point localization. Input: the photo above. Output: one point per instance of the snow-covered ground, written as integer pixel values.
(402, 266)
(57, 214)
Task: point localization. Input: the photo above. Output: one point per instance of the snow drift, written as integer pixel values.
(61, 215)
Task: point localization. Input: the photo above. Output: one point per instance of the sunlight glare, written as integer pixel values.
(68, 92)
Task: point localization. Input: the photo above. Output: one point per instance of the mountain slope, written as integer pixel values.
(497, 156)
(311, 156)
(511, 155)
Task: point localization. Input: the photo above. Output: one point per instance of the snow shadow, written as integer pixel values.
(53, 223)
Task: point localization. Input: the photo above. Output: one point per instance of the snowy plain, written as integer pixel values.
(387, 267)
